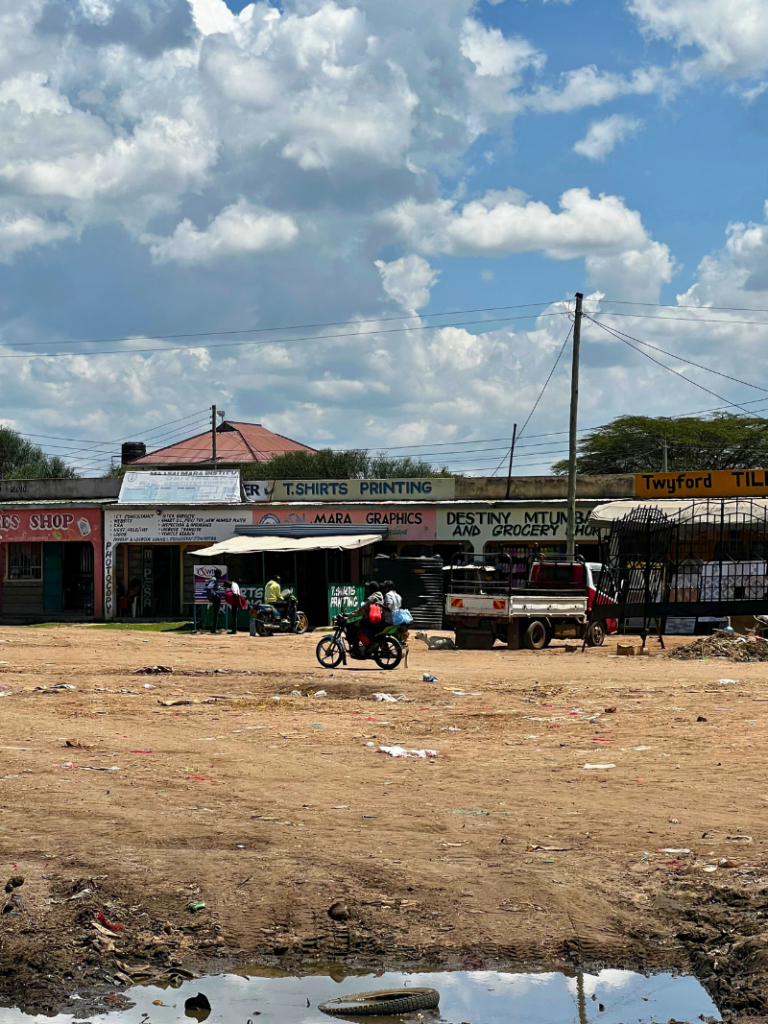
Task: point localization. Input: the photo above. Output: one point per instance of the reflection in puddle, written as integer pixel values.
(477, 997)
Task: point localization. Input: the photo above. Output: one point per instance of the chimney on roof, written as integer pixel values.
(132, 450)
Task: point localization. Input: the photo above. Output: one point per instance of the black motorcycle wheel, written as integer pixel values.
(388, 653)
(329, 652)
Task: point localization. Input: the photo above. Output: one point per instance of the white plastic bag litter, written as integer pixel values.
(402, 752)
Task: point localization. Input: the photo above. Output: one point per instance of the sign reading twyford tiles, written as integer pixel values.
(715, 483)
(409, 489)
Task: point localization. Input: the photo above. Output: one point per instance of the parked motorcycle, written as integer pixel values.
(386, 648)
(267, 619)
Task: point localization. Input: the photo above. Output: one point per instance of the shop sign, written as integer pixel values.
(258, 490)
(180, 487)
(202, 575)
(715, 483)
(344, 598)
(402, 523)
(18, 525)
(172, 527)
(518, 524)
(408, 489)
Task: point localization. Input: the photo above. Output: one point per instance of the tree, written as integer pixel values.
(634, 444)
(326, 464)
(22, 460)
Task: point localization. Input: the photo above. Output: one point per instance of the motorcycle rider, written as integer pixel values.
(273, 595)
(364, 629)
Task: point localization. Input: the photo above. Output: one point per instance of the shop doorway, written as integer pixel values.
(161, 580)
(68, 577)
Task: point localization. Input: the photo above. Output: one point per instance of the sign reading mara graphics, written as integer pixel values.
(401, 523)
(715, 483)
(408, 489)
(520, 524)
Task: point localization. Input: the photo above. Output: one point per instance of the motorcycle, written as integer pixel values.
(386, 648)
(266, 619)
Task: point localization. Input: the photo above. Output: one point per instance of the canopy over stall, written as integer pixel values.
(265, 544)
(704, 510)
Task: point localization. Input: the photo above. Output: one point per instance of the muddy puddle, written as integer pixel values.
(466, 997)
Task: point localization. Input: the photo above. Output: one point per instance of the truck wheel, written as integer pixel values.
(536, 636)
(596, 634)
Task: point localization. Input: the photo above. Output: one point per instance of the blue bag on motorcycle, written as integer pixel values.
(401, 617)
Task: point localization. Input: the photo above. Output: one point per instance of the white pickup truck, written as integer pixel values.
(555, 602)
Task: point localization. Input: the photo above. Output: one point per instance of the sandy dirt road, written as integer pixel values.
(501, 849)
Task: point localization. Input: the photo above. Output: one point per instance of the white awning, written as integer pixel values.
(251, 545)
(702, 510)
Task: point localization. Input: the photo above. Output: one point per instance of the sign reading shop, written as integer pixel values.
(519, 524)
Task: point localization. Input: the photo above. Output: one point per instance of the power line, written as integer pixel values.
(624, 338)
(541, 393)
(289, 327)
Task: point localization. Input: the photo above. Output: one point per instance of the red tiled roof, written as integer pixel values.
(235, 442)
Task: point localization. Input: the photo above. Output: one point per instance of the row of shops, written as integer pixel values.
(135, 553)
(107, 555)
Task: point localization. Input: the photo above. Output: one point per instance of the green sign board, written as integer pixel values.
(344, 598)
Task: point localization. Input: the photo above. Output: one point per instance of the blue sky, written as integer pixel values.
(180, 167)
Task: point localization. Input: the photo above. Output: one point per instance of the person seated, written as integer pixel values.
(363, 629)
(273, 595)
(392, 601)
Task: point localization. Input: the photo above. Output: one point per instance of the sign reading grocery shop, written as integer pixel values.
(518, 524)
(408, 489)
(715, 483)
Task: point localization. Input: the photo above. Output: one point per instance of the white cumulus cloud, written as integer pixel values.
(602, 136)
(408, 281)
(238, 230)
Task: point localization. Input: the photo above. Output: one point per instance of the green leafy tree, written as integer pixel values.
(635, 444)
(327, 464)
(22, 460)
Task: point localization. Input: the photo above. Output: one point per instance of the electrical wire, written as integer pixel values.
(541, 393)
(278, 341)
(624, 339)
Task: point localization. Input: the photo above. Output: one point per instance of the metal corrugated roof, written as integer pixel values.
(235, 442)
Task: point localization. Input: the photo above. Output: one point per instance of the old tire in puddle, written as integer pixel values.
(383, 1003)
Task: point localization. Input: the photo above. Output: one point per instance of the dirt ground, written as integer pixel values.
(501, 849)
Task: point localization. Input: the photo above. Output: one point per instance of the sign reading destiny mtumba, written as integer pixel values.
(715, 483)
(407, 489)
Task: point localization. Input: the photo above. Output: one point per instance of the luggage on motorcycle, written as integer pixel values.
(401, 617)
(374, 613)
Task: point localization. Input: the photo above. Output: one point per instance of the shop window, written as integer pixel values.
(25, 561)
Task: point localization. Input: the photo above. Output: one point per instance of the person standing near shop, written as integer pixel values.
(236, 602)
(392, 601)
(214, 593)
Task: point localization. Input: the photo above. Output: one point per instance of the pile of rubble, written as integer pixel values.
(719, 645)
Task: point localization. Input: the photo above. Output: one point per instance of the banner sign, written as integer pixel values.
(407, 489)
(344, 598)
(715, 483)
(402, 524)
(546, 525)
(203, 574)
(181, 487)
(60, 524)
(172, 527)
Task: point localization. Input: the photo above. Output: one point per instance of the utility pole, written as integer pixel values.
(511, 456)
(664, 460)
(570, 529)
(213, 432)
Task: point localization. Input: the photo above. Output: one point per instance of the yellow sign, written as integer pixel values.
(716, 483)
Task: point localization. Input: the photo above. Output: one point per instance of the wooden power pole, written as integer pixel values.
(570, 529)
(213, 433)
(511, 457)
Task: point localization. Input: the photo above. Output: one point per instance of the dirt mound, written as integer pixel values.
(731, 648)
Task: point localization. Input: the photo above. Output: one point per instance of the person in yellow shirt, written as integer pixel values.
(273, 593)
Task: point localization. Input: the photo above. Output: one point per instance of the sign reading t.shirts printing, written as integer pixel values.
(715, 483)
(408, 489)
